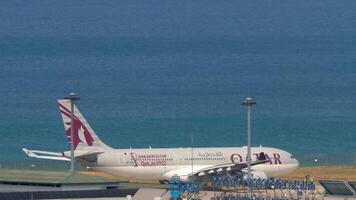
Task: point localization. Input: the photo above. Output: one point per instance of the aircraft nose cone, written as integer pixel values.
(296, 164)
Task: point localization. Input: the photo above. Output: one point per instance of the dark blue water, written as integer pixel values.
(156, 73)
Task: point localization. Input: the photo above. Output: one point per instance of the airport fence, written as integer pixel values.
(42, 165)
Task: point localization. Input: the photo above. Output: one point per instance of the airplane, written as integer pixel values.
(160, 164)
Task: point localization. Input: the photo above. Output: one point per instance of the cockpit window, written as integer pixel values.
(292, 157)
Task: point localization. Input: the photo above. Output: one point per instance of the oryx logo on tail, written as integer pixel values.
(81, 133)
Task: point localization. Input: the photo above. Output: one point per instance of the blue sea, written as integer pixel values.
(158, 73)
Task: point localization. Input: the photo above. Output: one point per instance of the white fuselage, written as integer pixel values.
(161, 164)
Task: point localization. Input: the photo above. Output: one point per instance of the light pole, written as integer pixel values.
(248, 103)
(72, 97)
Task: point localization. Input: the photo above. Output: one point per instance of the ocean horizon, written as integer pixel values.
(158, 73)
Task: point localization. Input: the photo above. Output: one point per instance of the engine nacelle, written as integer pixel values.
(182, 173)
(256, 175)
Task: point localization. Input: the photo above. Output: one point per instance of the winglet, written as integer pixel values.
(262, 156)
(261, 159)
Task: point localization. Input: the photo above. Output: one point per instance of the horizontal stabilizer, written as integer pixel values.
(45, 154)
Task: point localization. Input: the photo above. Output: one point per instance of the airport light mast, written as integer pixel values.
(72, 97)
(248, 103)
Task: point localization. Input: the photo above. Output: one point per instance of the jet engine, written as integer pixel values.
(256, 175)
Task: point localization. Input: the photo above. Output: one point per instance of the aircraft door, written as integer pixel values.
(176, 159)
(165, 166)
(123, 159)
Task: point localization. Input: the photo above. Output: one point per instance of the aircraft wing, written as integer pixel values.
(230, 167)
(45, 155)
(186, 173)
